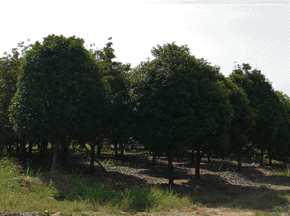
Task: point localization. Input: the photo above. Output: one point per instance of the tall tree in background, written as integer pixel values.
(59, 92)
(281, 144)
(120, 110)
(179, 102)
(263, 101)
(242, 121)
(9, 71)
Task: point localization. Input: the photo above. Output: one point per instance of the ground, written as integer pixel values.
(221, 190)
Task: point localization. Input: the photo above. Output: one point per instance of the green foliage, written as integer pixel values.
(263, 101)
(120, 109)
(282, 139)
(59, 91)
(180, 100)
(9, 71)
(243, 117)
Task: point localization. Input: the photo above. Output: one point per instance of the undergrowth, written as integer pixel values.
(32, 192)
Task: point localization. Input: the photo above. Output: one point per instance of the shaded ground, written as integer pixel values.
(220, 191)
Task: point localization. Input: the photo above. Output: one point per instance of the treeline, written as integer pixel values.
(59, 92)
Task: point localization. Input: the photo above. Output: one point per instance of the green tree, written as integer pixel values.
(120, 110)
(180, 102)
(9, 70)
(263, 101)
(242, 121)
(59, 93)
(281, 144)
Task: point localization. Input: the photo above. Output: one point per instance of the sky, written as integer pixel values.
(221, 31)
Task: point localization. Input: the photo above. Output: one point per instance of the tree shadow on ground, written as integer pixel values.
(216, 192)
(250, 171)
(211, 190)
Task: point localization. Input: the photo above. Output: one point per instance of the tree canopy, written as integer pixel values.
(263, 101)
(59, 91)
(181, 102)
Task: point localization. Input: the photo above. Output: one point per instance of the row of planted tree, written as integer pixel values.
(59, 92)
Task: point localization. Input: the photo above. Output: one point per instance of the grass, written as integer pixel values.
(32, 192)
(280, 171)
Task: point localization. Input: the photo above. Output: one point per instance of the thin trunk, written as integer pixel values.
(93, 145)
(262, 158)
(55, 152)
(30, 149)
(23, 149)
(153, 160)
(65, 150)
(99, 149)
(43, 149)
(17, 149)
(197, 166)
(208, 158)
(192, 157)
(96, 159)
(52, 146)
(41, 153)
(170, 170)
(240, 155)
(270, 152)
(122, 149)
(116, 149)
(234, 156)
(9, 148)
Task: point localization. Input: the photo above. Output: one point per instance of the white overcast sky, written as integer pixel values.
(222, 32)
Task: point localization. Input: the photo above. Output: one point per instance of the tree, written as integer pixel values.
(263, 101)
(242, 119)
(9, 70)
(120, 109)
(180, 102)
(281, 144)
(59, 93)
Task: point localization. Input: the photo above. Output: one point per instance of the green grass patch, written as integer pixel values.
(72, 192)
(281, 171)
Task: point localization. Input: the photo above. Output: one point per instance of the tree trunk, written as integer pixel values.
(9, 149)
(270, 152)
(23, 149)
(235, 156)
(55, 152)
(52, 146)
(192, 157)
(122, 149)
(65, 150)
(99, 149)
(93, 145)
(30, 149)
(262, 158)
(116, 149)
(43, 150)
(17, 149)
(240, 155)
(96, 159)
(197, 166)
(170, 170)
(208, 157)
(153, 161)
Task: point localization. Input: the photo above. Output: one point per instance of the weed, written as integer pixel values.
(27, 193)
(278, 209)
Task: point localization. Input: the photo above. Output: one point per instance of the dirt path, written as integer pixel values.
(221, 187)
